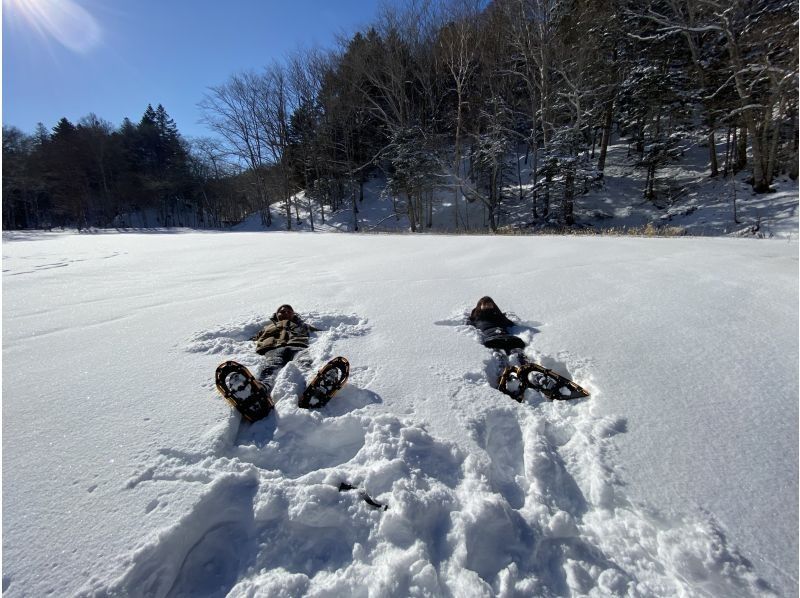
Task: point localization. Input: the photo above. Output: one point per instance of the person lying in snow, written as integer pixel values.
(494, 325)
(518, 374)
(279, 341)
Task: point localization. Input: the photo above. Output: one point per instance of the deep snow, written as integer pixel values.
(124, 473)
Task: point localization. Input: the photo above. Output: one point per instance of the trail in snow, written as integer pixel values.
(535, 509)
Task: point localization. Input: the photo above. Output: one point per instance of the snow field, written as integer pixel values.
(486, 496)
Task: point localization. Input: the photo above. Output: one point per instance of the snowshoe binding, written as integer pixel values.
(552, 385)
(238, 386)
(328, 381)
(511, 383)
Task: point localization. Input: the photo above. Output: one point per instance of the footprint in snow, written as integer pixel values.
(546, 514)
(297, 443)
(203, 554)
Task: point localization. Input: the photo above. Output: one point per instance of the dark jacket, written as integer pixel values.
(283, 333)
(494, 326)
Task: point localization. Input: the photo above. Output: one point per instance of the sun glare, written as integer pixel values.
(65, 21)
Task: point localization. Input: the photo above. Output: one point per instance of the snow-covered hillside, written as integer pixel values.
(125, 474)
(687, 202)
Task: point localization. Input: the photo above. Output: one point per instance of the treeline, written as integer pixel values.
(93, 174)
(458, 102)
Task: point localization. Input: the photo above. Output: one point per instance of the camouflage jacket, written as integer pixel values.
(283, 333)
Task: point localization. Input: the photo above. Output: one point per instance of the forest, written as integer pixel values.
(443, 100)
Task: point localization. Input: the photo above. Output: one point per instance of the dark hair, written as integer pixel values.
(478, 309)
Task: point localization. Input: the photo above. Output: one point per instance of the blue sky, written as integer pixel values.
(113, 57)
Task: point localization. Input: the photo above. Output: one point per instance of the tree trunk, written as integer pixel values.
(411, 211)
(741, 149)
(728, 152)
(534, 178)
(457, 161)
(760, 177)
(607, 120)
(309, 201)
(569, 194)
(355, 212)
(712, 152)
(773, 150)
(794, 153)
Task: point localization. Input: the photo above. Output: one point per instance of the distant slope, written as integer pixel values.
(687, 202)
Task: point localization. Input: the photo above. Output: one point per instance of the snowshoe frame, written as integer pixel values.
(253, 408)
(328, 381)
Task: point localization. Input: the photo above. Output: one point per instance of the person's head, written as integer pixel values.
(486, 303)
(284, 312)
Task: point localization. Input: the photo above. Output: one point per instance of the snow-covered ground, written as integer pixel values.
(125, 474)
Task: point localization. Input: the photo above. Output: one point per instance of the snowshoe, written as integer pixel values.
(328, 381)
(238, 386)
(552, 385)
(511, 383)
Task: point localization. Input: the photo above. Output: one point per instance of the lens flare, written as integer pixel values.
(62, 20)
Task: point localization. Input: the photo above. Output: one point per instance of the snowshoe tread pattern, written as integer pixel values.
(253, 408)
(328, 381)
(552, 385)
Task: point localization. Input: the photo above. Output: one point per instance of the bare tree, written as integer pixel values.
(276, 104)
(307, 71)
(458, 55)
(533, 28)
(761, 46)
(232, 111)
(210, 165)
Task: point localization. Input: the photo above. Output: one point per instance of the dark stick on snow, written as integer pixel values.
(345, 487)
